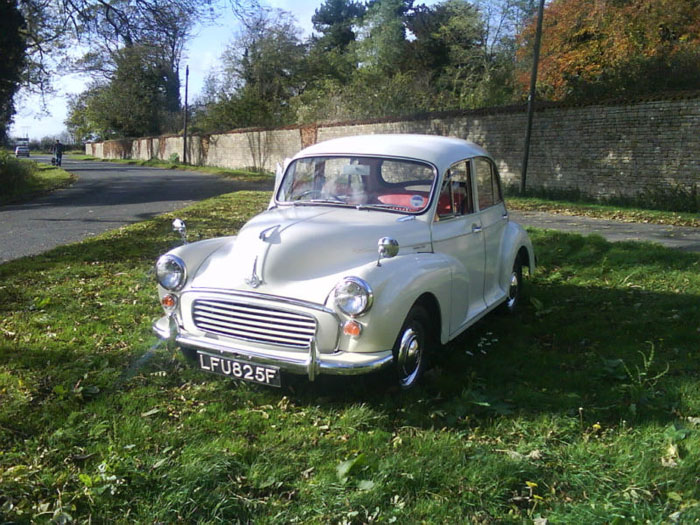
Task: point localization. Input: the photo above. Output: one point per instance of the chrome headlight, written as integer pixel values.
(353, 296)
(171, 272)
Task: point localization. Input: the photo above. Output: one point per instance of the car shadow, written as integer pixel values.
(604, 353)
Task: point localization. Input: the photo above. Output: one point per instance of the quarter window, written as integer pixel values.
(456, 195)
(487, 183)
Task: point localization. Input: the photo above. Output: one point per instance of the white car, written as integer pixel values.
(375, 250)
(22, 151)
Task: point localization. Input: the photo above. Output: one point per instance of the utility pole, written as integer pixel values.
(531, 97)
(184, 133)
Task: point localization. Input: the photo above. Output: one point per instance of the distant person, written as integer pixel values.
(58, 152)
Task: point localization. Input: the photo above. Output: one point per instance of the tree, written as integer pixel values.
(260, 75)
(615, 47)
(335, 20)
(134, 102)
(12, 60)
(450, 44)
(383, 45)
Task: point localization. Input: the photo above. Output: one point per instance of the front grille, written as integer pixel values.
(254, 323)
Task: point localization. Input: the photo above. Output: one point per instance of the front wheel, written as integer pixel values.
(515, 288)
(410, 349)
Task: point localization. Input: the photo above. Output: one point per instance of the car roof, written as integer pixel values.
(438, 150)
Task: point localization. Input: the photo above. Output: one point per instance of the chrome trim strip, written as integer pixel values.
(313, 365)
(264, 297)
(161, 327)
(310, 364)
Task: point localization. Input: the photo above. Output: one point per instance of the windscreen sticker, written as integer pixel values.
(416, 201)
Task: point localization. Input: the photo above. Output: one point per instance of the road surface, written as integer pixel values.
(105, 196)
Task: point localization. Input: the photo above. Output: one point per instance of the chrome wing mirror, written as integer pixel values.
(387, 248)
(180, 227)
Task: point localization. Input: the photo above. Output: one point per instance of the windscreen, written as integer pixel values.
(370, 182)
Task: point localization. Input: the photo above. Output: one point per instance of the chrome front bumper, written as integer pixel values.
(310, 364)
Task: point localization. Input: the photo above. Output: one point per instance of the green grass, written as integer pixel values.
(25, 178)
(582, 408)
(604, 211)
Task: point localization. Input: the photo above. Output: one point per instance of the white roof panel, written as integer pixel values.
(440, 151)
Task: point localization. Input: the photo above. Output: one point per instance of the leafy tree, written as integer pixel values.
(335, 20)
(12, 60)
(384, 46)
(615, 47)
(450, 41)
(260, 75)
(134, 102)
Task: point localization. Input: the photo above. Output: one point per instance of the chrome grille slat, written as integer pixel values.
(261, 324)
(282, 320)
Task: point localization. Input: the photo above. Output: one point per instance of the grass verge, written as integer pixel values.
(244, 174)
(604, 211)
(583, 408)
(22, 179)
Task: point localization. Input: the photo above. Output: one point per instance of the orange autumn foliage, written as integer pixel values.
(593, 48)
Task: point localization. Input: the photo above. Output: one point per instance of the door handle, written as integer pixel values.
(476, 228)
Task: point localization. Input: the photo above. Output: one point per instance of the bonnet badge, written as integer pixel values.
(254, 280)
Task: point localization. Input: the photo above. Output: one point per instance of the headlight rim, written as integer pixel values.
(362, 284)
(179, 262)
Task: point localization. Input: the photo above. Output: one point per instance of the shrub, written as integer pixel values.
(15, 175)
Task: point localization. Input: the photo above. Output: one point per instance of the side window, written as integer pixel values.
(456, 195)
(462, 189)
(487, 184)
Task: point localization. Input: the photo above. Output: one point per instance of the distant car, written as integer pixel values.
(22, 151)
(374, 251)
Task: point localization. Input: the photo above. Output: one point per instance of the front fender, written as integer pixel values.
(396, 286)
(514, 239)
(194, 254)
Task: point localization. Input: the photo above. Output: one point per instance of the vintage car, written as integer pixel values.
(374, 251)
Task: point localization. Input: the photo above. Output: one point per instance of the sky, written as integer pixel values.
(201, 55)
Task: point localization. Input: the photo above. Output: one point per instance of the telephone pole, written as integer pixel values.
(531, 97)
(184, 133)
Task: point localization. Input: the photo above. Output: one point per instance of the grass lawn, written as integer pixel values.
(582, 408)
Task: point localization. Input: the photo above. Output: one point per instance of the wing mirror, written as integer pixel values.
(387, 248)
(180, 227)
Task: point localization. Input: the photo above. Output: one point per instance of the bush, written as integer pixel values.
(15, 175)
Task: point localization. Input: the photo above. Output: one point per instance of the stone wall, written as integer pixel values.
(599, 150)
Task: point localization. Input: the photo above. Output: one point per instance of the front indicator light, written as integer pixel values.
(169, 302)
(352, 328)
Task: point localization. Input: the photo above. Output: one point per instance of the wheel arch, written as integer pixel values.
(431, 305)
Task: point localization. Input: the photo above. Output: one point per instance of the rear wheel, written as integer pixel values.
(411, 347)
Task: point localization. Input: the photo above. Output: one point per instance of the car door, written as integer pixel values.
(457, 232)
(494, 217)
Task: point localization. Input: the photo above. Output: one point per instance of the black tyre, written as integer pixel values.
(515, 288)
(412, 346)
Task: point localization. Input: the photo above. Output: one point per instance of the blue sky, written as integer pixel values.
(202, 54)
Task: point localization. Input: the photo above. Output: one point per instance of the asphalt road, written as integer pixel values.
(679, 237)
(106, 196)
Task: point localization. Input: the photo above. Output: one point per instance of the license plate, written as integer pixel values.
(265, 375)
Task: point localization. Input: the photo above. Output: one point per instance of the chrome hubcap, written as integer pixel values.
(409, 356)
(513, 290)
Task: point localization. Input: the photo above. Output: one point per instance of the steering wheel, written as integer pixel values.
(314, 193)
